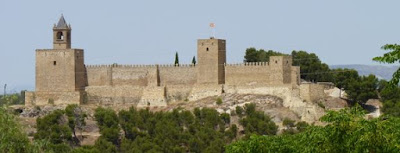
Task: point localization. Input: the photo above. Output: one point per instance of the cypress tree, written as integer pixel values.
(194, 60)
(176, 59)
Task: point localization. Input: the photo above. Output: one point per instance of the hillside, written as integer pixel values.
(381, 71)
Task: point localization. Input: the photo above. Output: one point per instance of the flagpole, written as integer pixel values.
(212, 26)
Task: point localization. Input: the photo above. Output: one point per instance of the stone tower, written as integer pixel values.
(211, 54)
(62, 35)
(281, 68)
(60, 72)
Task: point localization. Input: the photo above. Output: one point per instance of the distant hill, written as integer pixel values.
(382, 72)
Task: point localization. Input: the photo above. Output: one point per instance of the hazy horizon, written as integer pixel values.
(147, 32)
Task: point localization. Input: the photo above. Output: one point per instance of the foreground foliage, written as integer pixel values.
(347, 131)
(391, 57)
(12, 138)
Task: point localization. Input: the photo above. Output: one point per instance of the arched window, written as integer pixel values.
(60, 36)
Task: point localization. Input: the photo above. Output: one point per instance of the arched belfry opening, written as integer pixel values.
(62, 35)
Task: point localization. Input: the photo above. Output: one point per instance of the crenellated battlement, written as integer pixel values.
(180, 65)
(118, 65)
(138, 65)
(249, 64)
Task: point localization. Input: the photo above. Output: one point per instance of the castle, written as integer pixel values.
(63, 78)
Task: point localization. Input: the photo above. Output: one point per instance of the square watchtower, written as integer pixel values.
(211, 54)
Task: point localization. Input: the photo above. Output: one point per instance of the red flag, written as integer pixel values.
(212, 25)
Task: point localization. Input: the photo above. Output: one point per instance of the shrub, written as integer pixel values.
(219, 101)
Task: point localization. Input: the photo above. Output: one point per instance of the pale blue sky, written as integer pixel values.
(149, 32)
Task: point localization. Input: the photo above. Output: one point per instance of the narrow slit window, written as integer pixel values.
(54, 63)
(207, 49)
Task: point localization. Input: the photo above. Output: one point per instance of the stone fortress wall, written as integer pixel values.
(63, 78)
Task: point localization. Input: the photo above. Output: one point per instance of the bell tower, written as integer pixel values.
(60, 71)
(61, 35)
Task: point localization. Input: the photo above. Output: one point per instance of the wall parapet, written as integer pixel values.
(249, 64)
(138, 65)
(180, 65)
(118, 65)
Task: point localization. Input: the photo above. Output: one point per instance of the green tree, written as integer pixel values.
(76, 119)
(107, 120)
(12, 137)
(390, 97)
(389, 91)
(346, 131)
(256, 122)
(254, 55)
(53, 127)
(363, 89)
(176, 59)
(194, 60)
(343, 77)
(12, 99)
(239, 111)
(311, 67)
(393, 56)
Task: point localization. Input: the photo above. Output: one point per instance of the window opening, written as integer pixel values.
(54, 62)
(207, 49)
(60, 36)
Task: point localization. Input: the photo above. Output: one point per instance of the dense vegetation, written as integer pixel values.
(133, 130)
(347, 131)
(205, 130)
(12, 99)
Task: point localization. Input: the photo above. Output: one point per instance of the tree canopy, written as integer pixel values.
(393, 56)
(346, 131)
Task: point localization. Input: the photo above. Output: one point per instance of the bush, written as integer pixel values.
(320, 104)
(53, 127)
(108, 122)
(256, 122)
(346, 131)
(288, 122)
(219, 101)
(239, 111)
(12, 137)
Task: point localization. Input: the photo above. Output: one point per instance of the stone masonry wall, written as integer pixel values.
(99, 75)
(52, 98)
(134, 76)
(295, 76)
(311, 92)
(120, 75)
(114, 95)
(177, 75)
(55, 70)
(247, 73)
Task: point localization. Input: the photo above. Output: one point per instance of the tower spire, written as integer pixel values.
(62, 24)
